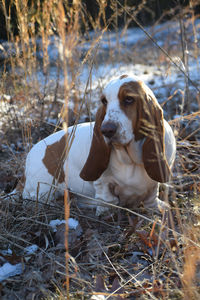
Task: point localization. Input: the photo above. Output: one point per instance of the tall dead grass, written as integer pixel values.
(67, 23)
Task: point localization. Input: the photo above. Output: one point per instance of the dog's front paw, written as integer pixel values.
(162, 206)
(100, 210)
(158, 205)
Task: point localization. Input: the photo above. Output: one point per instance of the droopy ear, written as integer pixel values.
(99, 154)
(151, 126)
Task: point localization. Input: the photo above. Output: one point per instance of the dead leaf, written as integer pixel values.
(145, 238)
(116, 286)
(100, 285)
(12, 259)
(133, 225)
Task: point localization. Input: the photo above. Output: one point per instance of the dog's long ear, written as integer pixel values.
(99, 154)
(151, 126)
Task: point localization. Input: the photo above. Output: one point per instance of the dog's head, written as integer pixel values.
(129, 110)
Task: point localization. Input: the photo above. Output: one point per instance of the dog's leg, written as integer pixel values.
(153, 202)
(102, 192)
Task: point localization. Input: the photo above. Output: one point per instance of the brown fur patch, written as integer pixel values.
(123, 76)
(99, 154)
(54, 159)
(147, 119)
(130, 89)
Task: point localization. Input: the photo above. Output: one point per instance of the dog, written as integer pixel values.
(120, 158)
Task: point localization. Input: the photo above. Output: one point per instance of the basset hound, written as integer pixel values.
(121, 158)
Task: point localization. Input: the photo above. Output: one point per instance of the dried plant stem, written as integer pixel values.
(67, 213)
(159, 47)
(185, 62)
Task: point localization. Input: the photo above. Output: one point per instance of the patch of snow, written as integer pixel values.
(185, 143)
(164, 79)
(31, 249)
(72, 223)
(6, 252)
(52, 121)
(5, 97)
(177, 117)
(55, 223)
(8, 270)
(98, 297)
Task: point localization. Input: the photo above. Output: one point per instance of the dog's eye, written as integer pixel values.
(128, 100)
(104, 101)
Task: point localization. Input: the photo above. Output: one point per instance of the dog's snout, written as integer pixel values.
(109, 129)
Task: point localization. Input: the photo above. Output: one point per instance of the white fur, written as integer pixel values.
(114, 113)
(129, 176)
(36, 172)
(38, 180)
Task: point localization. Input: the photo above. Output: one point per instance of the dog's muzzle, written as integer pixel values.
(109, 129)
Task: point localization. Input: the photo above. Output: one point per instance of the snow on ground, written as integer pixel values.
(163, 79)
(31, 249)
(8, 270)
(120, 42)
(72, 223)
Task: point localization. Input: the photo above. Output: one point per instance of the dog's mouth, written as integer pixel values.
(116, 142)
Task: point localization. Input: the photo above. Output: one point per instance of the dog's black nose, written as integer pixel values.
(108, 129)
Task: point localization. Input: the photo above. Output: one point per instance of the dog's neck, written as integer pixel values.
(130, 153)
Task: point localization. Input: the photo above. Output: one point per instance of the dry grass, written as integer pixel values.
(136, 255)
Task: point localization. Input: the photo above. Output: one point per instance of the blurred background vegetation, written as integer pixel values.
(148, 12)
